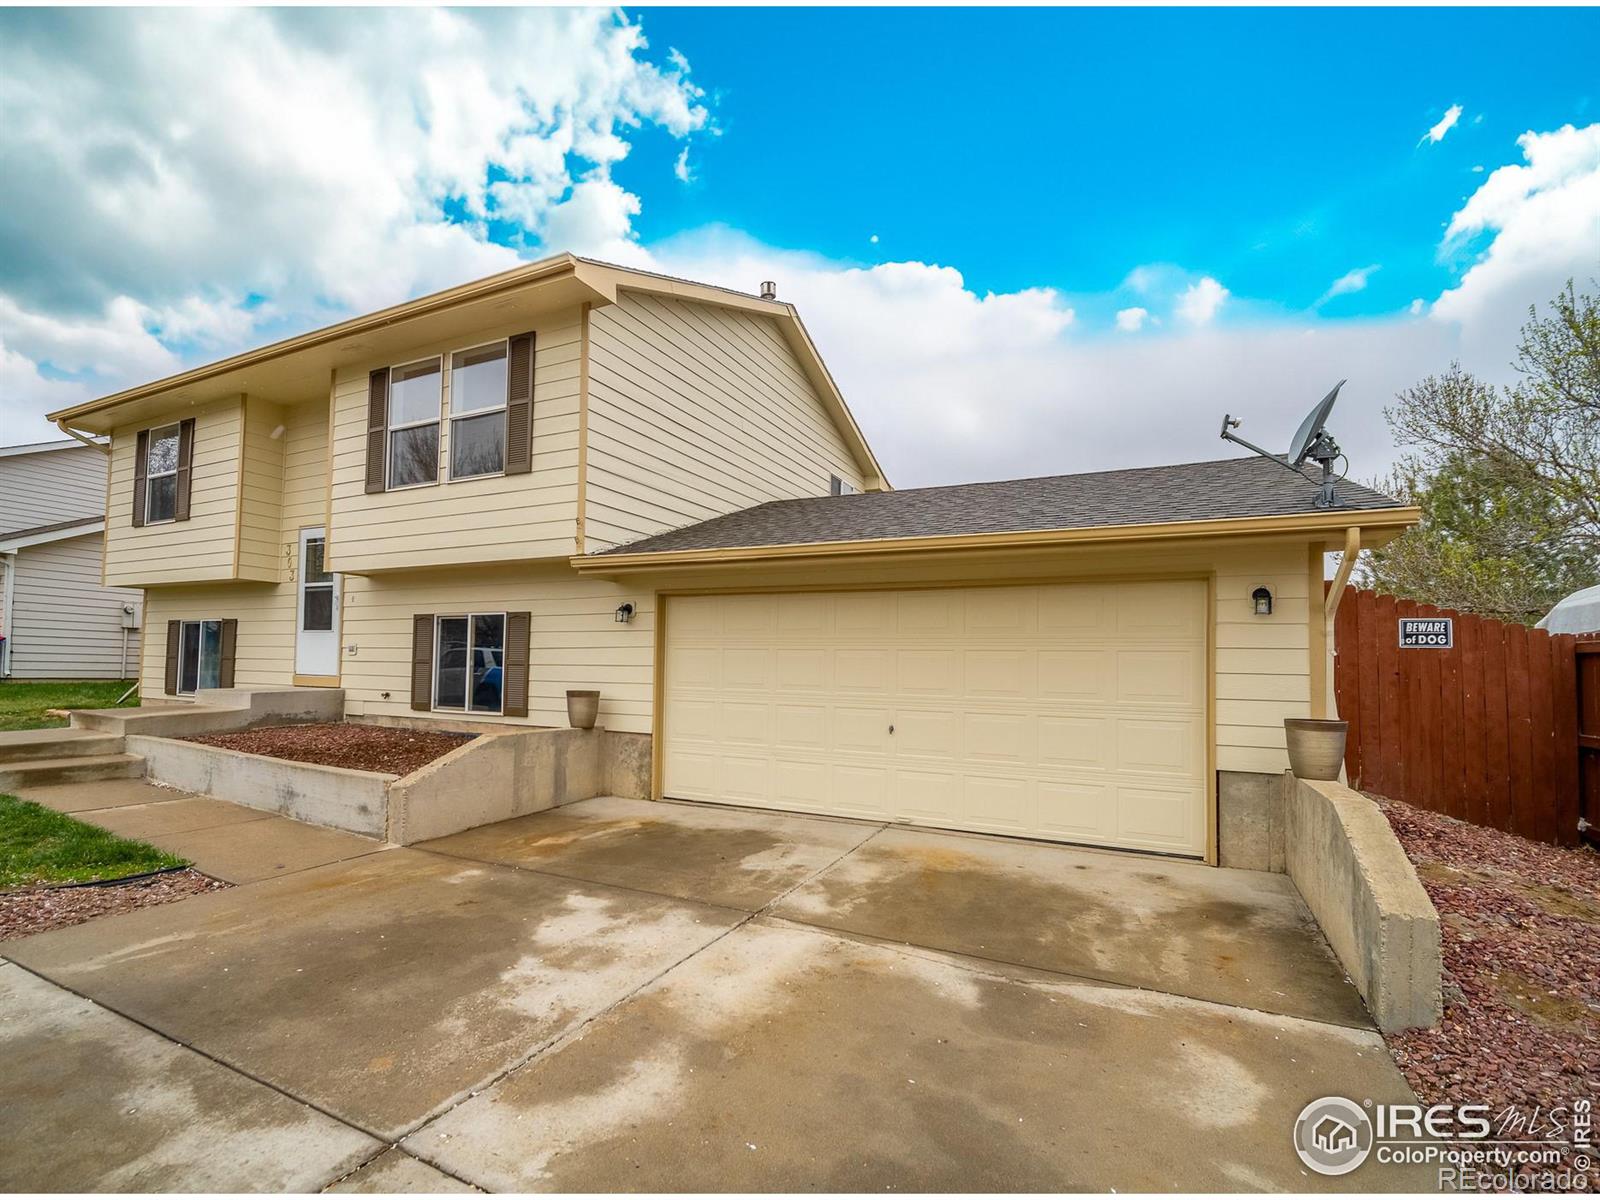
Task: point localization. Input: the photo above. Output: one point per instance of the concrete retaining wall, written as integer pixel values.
(218, 710)
(336, 796)
(1250, 821)
(1358, 883)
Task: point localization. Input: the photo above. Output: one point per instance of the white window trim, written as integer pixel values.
(149, 475)
(466, 707)
(390, 428)
(451, 417)
(201, 644)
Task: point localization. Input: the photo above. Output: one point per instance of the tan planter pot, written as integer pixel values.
(582, 709)
(1316, 748)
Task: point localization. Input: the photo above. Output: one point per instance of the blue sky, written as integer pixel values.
(1275, 149)
(1095, 229)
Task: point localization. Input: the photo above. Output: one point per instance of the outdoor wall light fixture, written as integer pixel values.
(624, 613)
(1263, 602)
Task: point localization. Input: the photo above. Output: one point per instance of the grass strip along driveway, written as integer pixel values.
(40, 846)
(28, 705)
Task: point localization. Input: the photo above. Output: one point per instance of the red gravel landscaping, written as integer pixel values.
(35, 909)
(343, 744)
(1521, 938)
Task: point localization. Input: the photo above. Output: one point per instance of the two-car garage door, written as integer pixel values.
(1071, 712)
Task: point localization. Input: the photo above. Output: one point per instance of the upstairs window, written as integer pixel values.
(161, 479)
(414, 405)
(478, 411)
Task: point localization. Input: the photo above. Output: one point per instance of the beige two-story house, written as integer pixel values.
(576, 476)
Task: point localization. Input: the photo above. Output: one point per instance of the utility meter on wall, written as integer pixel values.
(130, 616)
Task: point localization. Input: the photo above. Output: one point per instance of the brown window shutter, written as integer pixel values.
(141, 474)
(519, 405)
(174, 640)
(229, 650)
(377, 429)
(515, 699)
(422, 662)
(185, 468)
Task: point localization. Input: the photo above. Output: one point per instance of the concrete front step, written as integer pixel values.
(27, 745)
(82, 769)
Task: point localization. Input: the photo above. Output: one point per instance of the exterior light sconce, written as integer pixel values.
(1262, 599)
(624, 613)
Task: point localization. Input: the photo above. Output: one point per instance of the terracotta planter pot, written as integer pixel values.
(1316, 748)
(582, 709)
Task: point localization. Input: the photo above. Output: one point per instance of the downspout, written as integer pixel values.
(5, 611)
(104, 447)
(1352, 548)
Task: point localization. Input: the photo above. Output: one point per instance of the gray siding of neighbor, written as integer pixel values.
(50, 486)
(64, 624)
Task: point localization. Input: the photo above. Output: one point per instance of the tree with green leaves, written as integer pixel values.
(1507, 478)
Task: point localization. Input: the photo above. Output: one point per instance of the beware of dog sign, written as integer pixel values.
(1427, 633)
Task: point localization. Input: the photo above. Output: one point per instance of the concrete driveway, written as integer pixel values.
(622, 996)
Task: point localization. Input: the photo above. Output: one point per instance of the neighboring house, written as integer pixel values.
(573, 475)
(58, 620)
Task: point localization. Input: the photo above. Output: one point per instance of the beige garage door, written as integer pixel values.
(1069, 712)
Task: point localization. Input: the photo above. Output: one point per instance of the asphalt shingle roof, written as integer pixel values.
(1228, 488)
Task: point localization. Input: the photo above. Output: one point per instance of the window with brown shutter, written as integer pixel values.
(377, 428)
(519, 405)
(174, 641)
(185, 468)
(141, 475)
(422, 662)
(518, 628)
(227, 653)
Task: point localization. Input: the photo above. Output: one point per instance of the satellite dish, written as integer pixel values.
(1311, 441)
(1305, 438)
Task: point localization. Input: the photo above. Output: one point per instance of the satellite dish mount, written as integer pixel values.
(1311, 441)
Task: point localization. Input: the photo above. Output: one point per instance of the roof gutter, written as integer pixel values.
(1378, 521)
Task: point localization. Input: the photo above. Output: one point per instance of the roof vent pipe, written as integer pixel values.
(769, 290)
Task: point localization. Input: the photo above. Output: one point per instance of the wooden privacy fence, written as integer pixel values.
(1486, 730)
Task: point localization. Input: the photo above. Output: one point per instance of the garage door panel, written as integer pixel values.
(926, 733)
(1076, 675)
(1071, 712)
(1076, 742)
(999, 674)
(863, 671)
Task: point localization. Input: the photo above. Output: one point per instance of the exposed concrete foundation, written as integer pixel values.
(335, 796)
(511, 773)
(1357, 881)
(1250, 821)
(218, 710)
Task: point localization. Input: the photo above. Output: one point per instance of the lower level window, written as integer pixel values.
(469, 657)
(199, 656)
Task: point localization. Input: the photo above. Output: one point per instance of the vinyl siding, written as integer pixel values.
(497, 519)
(695, 411)
(261, 493)
(265, 653)
(576, 641)
(54, 485)
(305, 469)
(201, 548)
(65, 625)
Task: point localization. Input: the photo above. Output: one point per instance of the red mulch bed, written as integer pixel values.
(36, 909)
(1520, 926)
(344, 744)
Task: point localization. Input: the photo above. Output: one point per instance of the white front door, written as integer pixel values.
(316, 643)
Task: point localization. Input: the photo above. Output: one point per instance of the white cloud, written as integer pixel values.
(1201, 302)
(1131, 320)
(1527, 229)
(165, 169)
(1446, 123)
(1350, 281)
(681, 169)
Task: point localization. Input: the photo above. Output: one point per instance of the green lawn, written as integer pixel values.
(39, 845)
(23, 704)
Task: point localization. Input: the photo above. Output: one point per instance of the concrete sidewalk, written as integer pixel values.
(619, 995)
